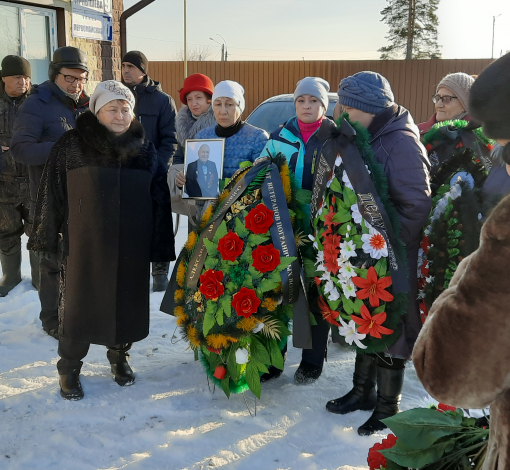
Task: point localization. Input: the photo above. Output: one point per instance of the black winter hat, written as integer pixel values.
(15, 65)
(138, 59)
(489, 99)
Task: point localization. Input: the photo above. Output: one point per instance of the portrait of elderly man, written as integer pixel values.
(202, 175)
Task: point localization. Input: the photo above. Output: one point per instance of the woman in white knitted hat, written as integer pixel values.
(243, 142)
(450, 100)
(104, 189)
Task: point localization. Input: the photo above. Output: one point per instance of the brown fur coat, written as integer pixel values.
(462, 355)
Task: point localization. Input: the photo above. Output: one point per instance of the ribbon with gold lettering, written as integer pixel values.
(369, 203)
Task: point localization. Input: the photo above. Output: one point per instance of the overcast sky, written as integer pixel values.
(315, 30)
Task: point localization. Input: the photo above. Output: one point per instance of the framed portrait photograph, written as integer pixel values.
(203, 168)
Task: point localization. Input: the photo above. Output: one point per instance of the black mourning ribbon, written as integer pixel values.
(340, 143)
(282, 237)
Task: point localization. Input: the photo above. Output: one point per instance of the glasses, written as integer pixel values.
(71, 79)
(445, 99)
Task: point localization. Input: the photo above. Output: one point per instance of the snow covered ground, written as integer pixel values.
(168, 419)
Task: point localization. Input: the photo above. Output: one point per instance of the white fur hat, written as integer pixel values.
(230, 89)
(110, 90)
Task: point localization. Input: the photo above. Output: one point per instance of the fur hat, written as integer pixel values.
(110, 90)
(369, 92)
(230, 89)
(196, 82)
(314, 86)
(460, 84)
(489, 100)
(15, 65)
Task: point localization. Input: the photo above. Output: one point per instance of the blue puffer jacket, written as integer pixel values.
(246, 145)
(300, 156)
(42, 119)
(156, 111)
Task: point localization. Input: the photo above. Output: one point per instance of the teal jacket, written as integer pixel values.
(301, 157)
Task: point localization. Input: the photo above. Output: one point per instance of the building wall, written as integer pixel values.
(103, 56)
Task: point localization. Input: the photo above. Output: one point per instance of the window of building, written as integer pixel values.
(30, 32)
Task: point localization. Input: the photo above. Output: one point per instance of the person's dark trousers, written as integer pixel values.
(72, 352)
(49, 283)
(320, 334)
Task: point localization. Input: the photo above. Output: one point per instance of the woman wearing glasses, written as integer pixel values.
(48, 112)
(450, 100)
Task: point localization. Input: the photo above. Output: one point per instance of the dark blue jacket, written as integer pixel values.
(42, 119)
(300, 156)
(396, 143)
(156, 111)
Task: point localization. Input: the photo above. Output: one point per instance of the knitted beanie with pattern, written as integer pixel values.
(367, 91)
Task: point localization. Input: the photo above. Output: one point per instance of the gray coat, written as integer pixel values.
(396, 143)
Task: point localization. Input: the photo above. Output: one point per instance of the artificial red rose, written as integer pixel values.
(211, 284)
(265, 258)
(213, 350)
(220, 372)
(245, 302)
(259, 219)
(230, 246)
(425, 244)
(442, 408)
(376, 460)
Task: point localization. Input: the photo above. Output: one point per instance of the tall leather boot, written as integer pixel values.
(390, 379)
(34, 268)
(160, 276)
(362, 396)
(11, 269)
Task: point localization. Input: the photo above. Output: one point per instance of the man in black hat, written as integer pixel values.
(49, 111)
(156, 111)
(14, 193)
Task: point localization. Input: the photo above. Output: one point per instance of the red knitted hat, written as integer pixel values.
(196, 82)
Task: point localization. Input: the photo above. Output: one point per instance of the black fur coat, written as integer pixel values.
(109, 198)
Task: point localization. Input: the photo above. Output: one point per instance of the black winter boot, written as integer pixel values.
(11, 269)
(70, 387)
(307, 373)
(121, 371)
(160, 276)
(362, 396)
(389, 390)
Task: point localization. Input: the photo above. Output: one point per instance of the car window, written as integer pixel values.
(271, 116)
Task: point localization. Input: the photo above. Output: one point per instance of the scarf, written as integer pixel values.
(227, 132)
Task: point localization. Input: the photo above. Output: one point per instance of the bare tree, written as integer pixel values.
(412, 29)
(197, 53)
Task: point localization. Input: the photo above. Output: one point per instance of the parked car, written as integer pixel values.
(277, 110)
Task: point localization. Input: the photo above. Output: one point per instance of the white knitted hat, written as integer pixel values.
(107, 91)
(230, 89)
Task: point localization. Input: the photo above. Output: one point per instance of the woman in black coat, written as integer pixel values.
(104, 191)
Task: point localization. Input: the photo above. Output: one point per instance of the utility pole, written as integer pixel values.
(185, 45)
(410, 29)
(223, 52)
(493, 29)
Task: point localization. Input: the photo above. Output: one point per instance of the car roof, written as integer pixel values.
(290, 97)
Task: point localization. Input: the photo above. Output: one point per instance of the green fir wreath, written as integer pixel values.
(350, 266)
(234, 320)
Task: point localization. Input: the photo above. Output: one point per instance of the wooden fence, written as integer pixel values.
(413, 82)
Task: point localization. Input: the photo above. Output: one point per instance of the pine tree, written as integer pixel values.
(413, 29)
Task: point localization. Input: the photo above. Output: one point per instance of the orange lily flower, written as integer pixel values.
(371, 325)
(373, 288)
(328, 314)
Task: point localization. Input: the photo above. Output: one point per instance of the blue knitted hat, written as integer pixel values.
(367, 91)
